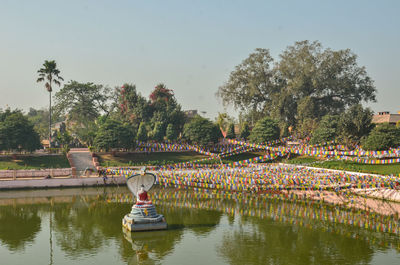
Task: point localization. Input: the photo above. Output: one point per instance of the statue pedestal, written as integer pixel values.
(144, 217)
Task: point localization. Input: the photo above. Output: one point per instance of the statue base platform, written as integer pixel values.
(144, 217)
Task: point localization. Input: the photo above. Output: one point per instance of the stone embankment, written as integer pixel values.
(82, 173)
(34, 173)
(59, 182)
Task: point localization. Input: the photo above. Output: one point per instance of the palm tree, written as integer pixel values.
(50, 74)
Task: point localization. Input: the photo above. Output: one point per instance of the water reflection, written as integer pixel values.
(149, 247)
(18, 226)
(291, 228)
(290, 244)
(253, 228)
(289, 209)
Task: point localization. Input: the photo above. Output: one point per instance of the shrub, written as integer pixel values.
(382, 137)
(265, 129)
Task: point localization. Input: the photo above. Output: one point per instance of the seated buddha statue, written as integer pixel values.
(142, 197)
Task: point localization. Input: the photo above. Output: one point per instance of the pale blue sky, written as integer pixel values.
(191, 46)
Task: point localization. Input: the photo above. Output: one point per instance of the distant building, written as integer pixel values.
(191, 113)
(60, 126)
(386, 117)
(45, 143)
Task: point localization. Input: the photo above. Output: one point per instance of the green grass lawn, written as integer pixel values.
(242, 156)
(34, 162)
(235, 158)
(139, 159)
(390, 169)
(164, 158)
(300, 160)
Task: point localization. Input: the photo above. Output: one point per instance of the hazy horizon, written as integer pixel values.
(191, 47)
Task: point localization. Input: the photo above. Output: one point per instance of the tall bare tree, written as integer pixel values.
(49, 74)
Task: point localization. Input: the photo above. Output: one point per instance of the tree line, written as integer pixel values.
(310, 93)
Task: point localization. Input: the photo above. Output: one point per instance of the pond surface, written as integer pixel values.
(83, 226)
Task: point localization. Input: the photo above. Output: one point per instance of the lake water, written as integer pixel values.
(83, 226)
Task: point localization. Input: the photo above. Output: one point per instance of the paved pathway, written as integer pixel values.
(82, 160)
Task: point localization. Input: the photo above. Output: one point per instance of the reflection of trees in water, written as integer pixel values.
(290, 244)
(18, 225)
(200, 222)
(152, 246)
(87, 225)
(270, 229)
(282, 208)
(75, 233)
(308, 227)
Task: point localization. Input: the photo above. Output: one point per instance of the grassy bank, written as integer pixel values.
(139, 159)
(34, 162)
(390, 169)
(164, 158)
(235, 158)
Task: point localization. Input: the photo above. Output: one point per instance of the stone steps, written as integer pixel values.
(81, 159)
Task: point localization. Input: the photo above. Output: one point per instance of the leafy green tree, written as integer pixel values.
(40, 121)
(166, 108)
(328, 81)
(64, 139)
(251, 84)
(133, 107)
(17, 132)
(158, 132)
(161, 108)
(265, 129)
(114, 134)
(231, 131)
(327, 129)
(250, 116)
(171, 133)
(306, 109)
(306, 128)
(245, 131)
(142, 132)
(82, 102)
(308, 82)
(355, 123)
(161, 94)
(382, 137)
(50, 74)
(201, 131)
(85, 135)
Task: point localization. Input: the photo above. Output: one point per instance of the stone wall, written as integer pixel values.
(35, 173)
(59, 182)
(73, 168)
